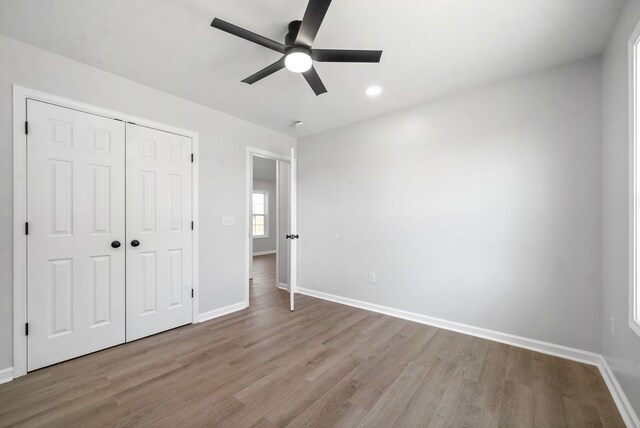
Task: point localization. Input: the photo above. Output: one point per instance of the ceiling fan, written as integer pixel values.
(298, 55)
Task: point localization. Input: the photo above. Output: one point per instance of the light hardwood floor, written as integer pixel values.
(324, 365)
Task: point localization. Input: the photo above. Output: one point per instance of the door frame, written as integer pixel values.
(20, 97)
(251, 152)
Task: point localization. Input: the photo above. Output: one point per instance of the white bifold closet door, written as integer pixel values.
(75, 277)
(159, 256)
(109, 256)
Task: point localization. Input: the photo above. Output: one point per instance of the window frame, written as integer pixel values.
(265, 215)
(634, 186)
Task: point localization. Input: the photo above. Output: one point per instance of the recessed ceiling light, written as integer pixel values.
(373, 91)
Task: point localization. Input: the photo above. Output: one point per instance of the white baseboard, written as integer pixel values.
(591, 358)
(283, 286)
(206, 316)
(264, 253)
(6, 375)
(626, 411)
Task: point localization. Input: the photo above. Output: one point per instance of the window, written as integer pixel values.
(260, 215)
(634, 295)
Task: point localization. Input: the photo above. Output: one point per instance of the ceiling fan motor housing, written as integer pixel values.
(290, 38)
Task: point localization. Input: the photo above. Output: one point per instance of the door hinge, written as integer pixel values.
(26, 228)
(192, 293)
(191, 157)
(26, 127)
(191, 225)
(26, 329)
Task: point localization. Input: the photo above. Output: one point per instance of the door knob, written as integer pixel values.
(135, 243)
(115, 244)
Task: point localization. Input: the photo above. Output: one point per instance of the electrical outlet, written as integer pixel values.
(228, 220)
(372, 277)
(613, 327)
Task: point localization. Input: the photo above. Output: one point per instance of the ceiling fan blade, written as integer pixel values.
(314, 81)
(340, 55)
(267, 71)
(313, 16)
(247, 35)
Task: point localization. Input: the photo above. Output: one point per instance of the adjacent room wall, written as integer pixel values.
(481, 208)
(223, 141)
(622, 352)
(261, 245)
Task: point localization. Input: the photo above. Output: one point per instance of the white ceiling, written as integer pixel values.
(264, 169)
(431, 48)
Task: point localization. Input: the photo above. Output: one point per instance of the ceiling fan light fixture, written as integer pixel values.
(298, 61)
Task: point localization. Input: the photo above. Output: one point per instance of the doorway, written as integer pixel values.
(271, 241)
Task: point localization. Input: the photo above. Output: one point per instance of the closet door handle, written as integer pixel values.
(135, 243)
(115, 244)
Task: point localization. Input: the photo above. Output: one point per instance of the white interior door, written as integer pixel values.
(75, 210)
(293, 221)
(284, 244)
(159, 236)
(250, 202)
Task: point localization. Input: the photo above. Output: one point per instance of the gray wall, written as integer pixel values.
(623, 352)
(267, 244)
(223, 139)
(481, 208)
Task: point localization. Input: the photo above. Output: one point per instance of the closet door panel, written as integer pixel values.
(75, 209)
(159, 260)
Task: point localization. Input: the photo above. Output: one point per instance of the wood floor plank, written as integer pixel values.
(389, 406)
(520, 366)
(423, 405)
(517, 405)
(470, 355)
(581, 415)
(324, 365)
(333, 408)
(548, 407)
(301, 398)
